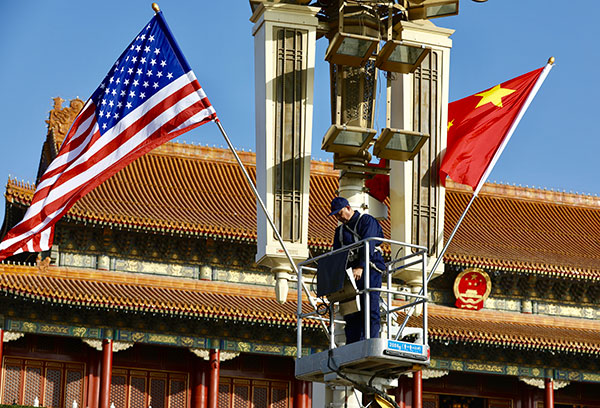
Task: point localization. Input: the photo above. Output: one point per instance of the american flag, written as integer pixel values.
(149, 96)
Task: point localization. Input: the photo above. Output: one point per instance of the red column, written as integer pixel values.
(549, 397)
(213, 385)
(105, 375)
(200, 389)
(93, 394)
(302, 397)
(399, 394)
(417, 389)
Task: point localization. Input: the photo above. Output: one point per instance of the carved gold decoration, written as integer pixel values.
(223, 355)
(121, 345)
(541, 382)
(187, 341)
(93, 343)
(52, 328)
(430, 373)
(60, 118)
(489, 368)
(244, 346)
(79, 331)
(29, 327)
(162, 338)
(116, 346)
(202, 353)
(42, 265)
(228, 355)
(10, 336)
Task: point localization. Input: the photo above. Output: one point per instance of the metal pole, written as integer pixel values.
(425, 309)
(460, 220)
(437, 262)
(367, 292)
(299, 318)
(389, 304)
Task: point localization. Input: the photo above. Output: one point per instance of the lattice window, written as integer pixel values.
(33, 385)
(224, 396)
(137, 394)
(260, 397)
(177, 394)
(118, 390)
(503, 403)
(157, 392)
(55, 384)
(279, 398)
(249, 393)
(241, 396)
(52, 388)
(430, 401)
(289, 132)
(12, 384)
(74, 388)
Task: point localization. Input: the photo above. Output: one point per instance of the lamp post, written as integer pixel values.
(284, 47)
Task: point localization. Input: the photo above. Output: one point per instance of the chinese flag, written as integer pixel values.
(477, 126)
(379, 185)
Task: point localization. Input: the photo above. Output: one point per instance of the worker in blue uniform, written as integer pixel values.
(355, 227)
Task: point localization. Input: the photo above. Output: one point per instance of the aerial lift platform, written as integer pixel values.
(374, 360)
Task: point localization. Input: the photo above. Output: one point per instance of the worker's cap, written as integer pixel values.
(337, 204)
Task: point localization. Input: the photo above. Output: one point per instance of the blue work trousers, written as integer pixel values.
(355, 322)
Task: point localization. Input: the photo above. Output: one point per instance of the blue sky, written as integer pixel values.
(65, 47)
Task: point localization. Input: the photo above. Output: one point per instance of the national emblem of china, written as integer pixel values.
(471, 288)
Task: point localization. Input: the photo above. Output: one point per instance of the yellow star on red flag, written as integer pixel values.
(493, 95)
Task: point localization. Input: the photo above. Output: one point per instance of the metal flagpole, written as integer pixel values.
(264, 208)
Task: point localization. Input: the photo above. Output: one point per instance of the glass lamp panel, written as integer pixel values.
(354, 47)
(442, 10)
(406, 54)
(403, 142)
(349, 138)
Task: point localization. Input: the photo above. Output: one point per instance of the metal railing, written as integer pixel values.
(416, 255)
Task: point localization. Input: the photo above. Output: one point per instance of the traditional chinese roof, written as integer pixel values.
(514, 330)
(200, 191)
(525, 229)
(233, 302)
(189, 190)
(148, 294)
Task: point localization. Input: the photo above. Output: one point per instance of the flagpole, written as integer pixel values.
(490, 167)
(264, 208)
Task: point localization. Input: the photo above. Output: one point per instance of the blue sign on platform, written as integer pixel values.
(406, 347)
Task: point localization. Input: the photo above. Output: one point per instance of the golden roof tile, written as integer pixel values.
(219, 300)
(200, 191)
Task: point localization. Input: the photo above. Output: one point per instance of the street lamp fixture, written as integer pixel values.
(348, 140)
(401, 56)
(401, 145)
(350, 49)
(425, 9)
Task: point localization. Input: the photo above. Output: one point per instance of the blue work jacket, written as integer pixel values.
(365, 226)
